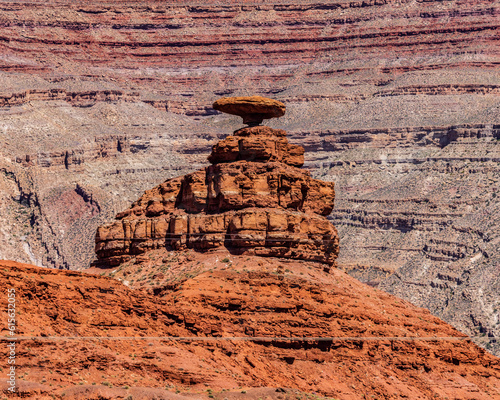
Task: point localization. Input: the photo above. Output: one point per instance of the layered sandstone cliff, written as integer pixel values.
(254, 199)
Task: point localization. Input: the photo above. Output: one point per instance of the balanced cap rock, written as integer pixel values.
(253, 109)
(254, 199)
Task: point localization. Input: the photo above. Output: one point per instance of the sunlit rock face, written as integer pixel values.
(254, 200)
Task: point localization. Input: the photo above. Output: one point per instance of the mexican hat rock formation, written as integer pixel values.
(254, 200)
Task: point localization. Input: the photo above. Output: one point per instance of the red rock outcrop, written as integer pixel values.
(254, 199)
(258, 143)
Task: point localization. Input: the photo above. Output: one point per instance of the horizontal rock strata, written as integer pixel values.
(258, 143)
(252, 200)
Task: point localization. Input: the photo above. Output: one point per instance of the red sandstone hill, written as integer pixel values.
(250, 326)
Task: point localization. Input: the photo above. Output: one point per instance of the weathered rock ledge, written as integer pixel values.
(253, 200)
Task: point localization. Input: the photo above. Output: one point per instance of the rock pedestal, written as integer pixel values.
(254, 199)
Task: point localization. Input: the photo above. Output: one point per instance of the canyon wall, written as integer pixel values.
(396, 101)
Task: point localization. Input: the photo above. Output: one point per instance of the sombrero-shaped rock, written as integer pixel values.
(252, 109)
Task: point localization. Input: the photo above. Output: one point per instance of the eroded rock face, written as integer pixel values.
(258, 143)
(253, 200)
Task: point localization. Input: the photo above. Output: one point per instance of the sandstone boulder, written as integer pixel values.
(253, 109)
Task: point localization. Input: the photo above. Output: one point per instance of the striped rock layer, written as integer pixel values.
(254, 199)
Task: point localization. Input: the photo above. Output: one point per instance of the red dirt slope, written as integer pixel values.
(261, 302)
